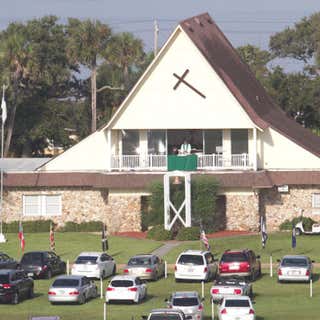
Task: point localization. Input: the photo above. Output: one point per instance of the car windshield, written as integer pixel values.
(165, 316)
(86, 260)
(185, 302)
(297, 262)
(4, 278)
(139, 261)
(230, 281)
(191, 259)
(34, 258)
(234, 257)
(65, 283)
(122, 283)
(237, 303)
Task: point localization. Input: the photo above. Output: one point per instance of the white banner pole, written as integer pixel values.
(212, 309)
(166, 269)
(104, 311)
(311, 293)
(202, 288)
(101, 289)
(68, 267)
(271, 271)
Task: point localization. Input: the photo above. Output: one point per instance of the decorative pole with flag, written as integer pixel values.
(104, 240)
(204, 239)
(293, 237)
(21, 236)
(264, 235)
(3, 120)
(51, 238)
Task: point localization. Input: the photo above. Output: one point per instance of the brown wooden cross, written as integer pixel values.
(181, 80)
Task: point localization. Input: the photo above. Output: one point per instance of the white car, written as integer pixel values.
(236, 308)
(195, 265)
(126, 288)
(189, 302)
(94, 265)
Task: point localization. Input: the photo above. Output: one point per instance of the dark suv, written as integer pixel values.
(42, 264)
(240, 263)
(15, 284)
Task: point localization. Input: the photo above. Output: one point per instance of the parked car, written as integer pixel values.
(187, 301)
(166, 314)
(42, 264)
(6, 262)
(126, 288)
(15, 284)
(227, 286)
(195, 265)
(295, 268)
(146, 266)
(240, 263)
(236, 308)
(94, 265)
(77, 289)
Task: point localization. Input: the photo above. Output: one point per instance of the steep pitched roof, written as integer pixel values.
(237, 76)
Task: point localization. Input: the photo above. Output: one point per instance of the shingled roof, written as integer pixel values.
(238, 77)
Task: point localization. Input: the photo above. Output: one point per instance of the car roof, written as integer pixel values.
(295, 256)
(236, 251)
(185, 294)
(198, 252)
(163, 310)
(232, 297)
(124, 277)
(70, 277)
(143, 255)
(90, 253)
(5, 271)
(40, 251)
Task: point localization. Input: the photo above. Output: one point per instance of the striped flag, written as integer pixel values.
(264, 235)
(104, 240)
(3, 109)
(51, 238)
(293, 237)
(21, 237)
(204, 239)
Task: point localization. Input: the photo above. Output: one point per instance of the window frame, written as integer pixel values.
(41, 205)
(315, 205)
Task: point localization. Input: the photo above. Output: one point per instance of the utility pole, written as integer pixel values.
(156, 33)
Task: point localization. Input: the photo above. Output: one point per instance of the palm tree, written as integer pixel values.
(125, 51)
(87, 40)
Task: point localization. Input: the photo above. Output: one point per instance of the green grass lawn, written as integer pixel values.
(278, 245)
(70, 244)
(272, 300)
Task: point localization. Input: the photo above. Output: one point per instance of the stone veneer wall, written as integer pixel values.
(277, 207)
(242, 211)
(121, 212)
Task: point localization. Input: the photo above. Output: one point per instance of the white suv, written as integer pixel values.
(195, 265)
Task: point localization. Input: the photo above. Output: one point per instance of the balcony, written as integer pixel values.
(159, 162)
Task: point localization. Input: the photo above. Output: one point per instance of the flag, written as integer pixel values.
(204, 239)
(51, 238)
(4, 110)
(104, 240)
(21, 237)
(293, 237)
(264, 236)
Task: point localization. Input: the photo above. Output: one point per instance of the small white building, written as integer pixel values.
(197, 89)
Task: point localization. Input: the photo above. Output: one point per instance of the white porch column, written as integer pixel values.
(143, 148)
(109, 147)
(226, 146)
(255, 158)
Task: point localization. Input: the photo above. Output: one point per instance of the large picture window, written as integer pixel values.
(157, 142)
(42, 205)
(130, 142)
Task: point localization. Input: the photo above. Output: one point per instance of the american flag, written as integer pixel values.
(21, 237)
(204, 239)
(51, 238)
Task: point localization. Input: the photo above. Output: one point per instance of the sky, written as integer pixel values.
(243, 21)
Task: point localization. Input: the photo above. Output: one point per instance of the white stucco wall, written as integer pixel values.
(90, 154)
(157, 106)
(278, 152)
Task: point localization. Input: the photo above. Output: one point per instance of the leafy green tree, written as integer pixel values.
(87, 40)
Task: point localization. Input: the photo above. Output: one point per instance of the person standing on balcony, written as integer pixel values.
(185, 148)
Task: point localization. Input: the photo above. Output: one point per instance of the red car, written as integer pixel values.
(240, 263)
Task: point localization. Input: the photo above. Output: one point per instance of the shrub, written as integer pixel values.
(30, 226)
(287, 224)
(192, 233)
(159, 233)
(90, 226)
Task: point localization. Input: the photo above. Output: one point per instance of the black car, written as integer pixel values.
(42, 264)
(15, 284)
(6, 262)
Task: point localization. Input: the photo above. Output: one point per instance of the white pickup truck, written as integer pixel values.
(299, 228)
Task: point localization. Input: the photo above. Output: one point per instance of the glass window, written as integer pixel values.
(65, 283)
(316, 200)
(212, 141)
(191, 259)
(42, 205)
(239, 141)
(157, 142)
(237, 303)
(185, 302)
(122, 283)
(86, 260)
(130, 142)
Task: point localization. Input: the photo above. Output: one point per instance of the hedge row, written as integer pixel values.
(288, 224)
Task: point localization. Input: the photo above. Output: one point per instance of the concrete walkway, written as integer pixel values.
(168, 246)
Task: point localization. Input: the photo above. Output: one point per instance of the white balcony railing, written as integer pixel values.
(159, 162)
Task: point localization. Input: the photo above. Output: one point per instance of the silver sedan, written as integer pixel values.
(76, 289)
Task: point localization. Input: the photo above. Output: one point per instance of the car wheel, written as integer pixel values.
(15, 298)
(49, 274)
(103, 275)
(156, 276)
(95, 293)
(114, 270)
(64, 268)
(31, 293)
(82, 299)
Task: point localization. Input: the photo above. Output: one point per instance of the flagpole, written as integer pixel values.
(2, 237)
